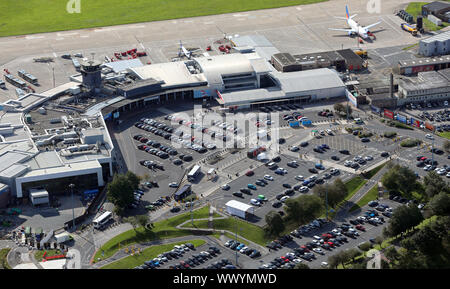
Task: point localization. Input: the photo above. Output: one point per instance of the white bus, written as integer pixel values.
(102, 220)
(193, 173)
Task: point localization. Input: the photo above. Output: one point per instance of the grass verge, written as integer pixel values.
(374, 171)
(38, 255)
(162, 230)
(445, 134)
(246, 230)
(3, 258)
(147, 254)
(34, 16)
(415, 8)
(370, 196)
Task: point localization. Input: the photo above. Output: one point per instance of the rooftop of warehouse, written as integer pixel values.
(424, 80)
(438, 37)
(308, 80)
(424, 61)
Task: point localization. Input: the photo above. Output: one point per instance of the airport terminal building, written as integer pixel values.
(237, 80)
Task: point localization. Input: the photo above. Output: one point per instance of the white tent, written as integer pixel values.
(236, 208)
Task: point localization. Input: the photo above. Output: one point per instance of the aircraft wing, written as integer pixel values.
(341, 29)
(372, 25)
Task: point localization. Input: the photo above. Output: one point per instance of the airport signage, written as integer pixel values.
(202, 93)
(351, 98)
(388, 114)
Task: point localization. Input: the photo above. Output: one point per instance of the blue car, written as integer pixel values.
(251, 186)
(320, 167)
(305, 182)
(240, 247)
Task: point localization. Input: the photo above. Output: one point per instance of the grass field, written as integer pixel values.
(3, 260)
(163, 230)
(38, 255)
(33, 16)
(415, 8)
(246, 230)
(147, 254)
(370, 196)
(445, 134)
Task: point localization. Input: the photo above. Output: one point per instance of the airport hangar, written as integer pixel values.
(236, 81)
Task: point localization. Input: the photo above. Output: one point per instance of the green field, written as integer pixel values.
(370, 196)
(162, 230)
(415, 8)
(147, 254)
(3, 258)
(38, 255)
(33, 16)
(445, 134)
(246, 230)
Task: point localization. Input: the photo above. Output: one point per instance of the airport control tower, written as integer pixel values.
(92, 76)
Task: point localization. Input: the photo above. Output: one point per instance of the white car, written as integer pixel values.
(299, 178)
(297, 260)
(304, 189)
(173, 185)
(243, 249)
(316, 237)
(348, 163)
(290, 254)
(319, 251)
(284, 199)
(324, 264)
(448, 175)
(429, 136)
(226, 187)
(329, 132)
(368, 158)
(441, 172)
(255, 202)
(268, 177)
(427, 168)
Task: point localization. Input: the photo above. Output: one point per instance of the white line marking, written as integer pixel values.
(142, 46)
(34, 37)
(54, 54)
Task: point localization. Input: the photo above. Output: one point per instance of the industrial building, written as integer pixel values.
(339, 60)
(436, 45)
(412, 67)
(438, 9)
(46, 148)
(426, 87)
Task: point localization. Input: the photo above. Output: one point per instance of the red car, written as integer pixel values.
(331, 244)
(423, 158)
(208, 48)
(327, 236)
(360, 227)
(304, 248)
(249, 173)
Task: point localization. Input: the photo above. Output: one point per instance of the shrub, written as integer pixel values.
(390, 134)
(365, 134)
(365, 246)
(402, 125)
(410, 143)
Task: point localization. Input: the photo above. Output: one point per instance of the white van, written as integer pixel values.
(63, 237)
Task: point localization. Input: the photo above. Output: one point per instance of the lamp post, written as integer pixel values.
(71, 186)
